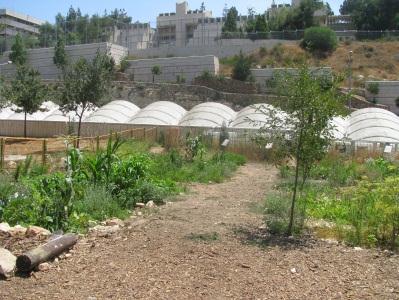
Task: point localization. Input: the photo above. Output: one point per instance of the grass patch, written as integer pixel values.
(105, 184)
(204, 237)
(357, 197)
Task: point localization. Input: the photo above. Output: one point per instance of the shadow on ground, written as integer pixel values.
(263, 238)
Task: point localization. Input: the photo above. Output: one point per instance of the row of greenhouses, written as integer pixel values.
(368, 124)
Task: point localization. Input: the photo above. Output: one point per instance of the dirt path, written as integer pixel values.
(211, 246)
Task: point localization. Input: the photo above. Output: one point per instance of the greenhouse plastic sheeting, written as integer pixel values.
(209, 114)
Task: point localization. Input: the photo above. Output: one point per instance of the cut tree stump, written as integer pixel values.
(28, 261)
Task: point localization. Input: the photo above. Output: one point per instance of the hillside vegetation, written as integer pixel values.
(371, 60)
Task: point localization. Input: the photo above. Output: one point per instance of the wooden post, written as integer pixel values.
(97, 143)
(144, 136)
(131, 133)
(44, 151)
(53, 248)
(156, 134)
(2, 152)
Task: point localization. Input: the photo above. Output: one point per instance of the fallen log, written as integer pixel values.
(28, 261)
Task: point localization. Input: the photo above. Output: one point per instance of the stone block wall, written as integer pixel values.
(42, 59)
(263, 77)
(387, 94)
(219, 48)
(186, 67)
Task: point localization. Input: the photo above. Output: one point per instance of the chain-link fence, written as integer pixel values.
(161, 33)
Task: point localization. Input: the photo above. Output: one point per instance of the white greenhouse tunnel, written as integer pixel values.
(367, 125)
(209, 114)
(257, 116)
(45, 109)
(159, 113)
(373, 125)
(118, 111)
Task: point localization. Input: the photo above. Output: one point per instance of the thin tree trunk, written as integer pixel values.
(292, 211)
(290, 226)
(79, 130)
(25, 114)
(153, 78)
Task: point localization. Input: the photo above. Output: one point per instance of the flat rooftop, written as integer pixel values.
(17, 15)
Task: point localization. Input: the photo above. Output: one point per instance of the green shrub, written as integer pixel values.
(194, 148)
(373, 88)
(277, 214)
(7, 190)
(206, 75)
(374, 213)
(180, 79)
(124, 64)
(242, 68)
(319, 39)
(99, 204)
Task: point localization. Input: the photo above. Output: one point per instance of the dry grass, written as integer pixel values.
(372, 60)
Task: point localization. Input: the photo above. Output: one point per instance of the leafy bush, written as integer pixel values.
(319, 39)
(373, 88)
(105, 184)
(277, 214)
(206, 75)
(99, 204)
(124, 64)
(194, 148)
(242, 68)
(180, 79)
(7, 189)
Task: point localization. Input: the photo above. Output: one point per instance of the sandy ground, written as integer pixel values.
(212, 245)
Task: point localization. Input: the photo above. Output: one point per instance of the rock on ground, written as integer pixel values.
(34, 231)
(7, 263)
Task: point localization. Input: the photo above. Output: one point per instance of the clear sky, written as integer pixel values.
(139, 10)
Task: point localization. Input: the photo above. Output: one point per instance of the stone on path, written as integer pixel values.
(34, 231)
(44, 267)
(150, 204)
(115, 221)
(18, 231)
(140, 205)
(4, 229)
(7, 263)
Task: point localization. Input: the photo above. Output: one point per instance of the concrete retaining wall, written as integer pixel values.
(263, 77)
(42, 59)
(188, 96)
(220, 48)
(187, 67)
(387, 94)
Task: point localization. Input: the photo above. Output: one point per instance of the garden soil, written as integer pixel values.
(211, 244)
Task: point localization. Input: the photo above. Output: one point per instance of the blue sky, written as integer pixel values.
(143, 11)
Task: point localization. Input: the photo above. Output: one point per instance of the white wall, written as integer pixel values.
(188, 67)
(220, 48)
(262, 76)
(42, 59)
(387, 95)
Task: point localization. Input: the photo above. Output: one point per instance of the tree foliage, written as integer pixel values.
(257, 24)
(321, 39)
(76, 27)
(299, 17)
(18, 54)
(231, 21)
(242, 68)
(85, 84)
(309, 105)
(155, 70)
(373, 14)
(26, 91)
(60, 58)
